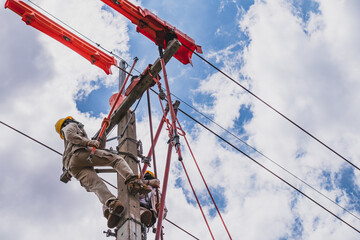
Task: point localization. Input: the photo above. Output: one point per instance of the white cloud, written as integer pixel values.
(310, 77)
(41, 78)
(307, 70)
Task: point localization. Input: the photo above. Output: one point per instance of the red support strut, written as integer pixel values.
(175, 135)
(174, 141)
(163, 193)
(157, 134)
(197, 200)
(208, 189)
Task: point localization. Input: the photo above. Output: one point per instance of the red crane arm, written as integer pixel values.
(39, 21)
(159, 31)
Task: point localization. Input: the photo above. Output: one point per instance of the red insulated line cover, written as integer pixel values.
(155, 28)
(39, 21)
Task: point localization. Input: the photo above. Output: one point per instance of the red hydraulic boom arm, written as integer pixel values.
(39, 21)
(159, 31)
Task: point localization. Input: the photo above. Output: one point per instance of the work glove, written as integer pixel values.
(153, 183)
(93, 143)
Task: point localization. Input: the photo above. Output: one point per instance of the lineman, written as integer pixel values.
(77, 149)
(149, 203)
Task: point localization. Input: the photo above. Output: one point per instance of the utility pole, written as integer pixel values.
(146, 80)
(122, 74)
(130, 228)
(130, 225)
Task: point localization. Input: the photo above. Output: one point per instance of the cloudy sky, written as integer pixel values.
(301, 56)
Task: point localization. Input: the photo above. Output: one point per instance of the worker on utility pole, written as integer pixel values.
(149, 203)
(75, 163)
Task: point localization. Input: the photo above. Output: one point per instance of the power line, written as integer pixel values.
(89, 39)
(222, 72)
(268, 158)
(253, 148)
(274, 109)
(211, 120)
(181, 229)
(213, 67)
(30, 138)
(197, 199)
(97, 44)
(50, 148)
(280, 178)
(262, 154)
(55, 151)
(202, 177)
(202, 125)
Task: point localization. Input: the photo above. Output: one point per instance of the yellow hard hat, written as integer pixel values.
(147, 173)
(151, 173)
(59, 123)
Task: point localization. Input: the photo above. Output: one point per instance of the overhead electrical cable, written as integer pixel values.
(30, 138)
(55, 151)
(181, 228)
(313, 188)
(262, 154)
(218, 135)
(84, 36)
(197, 200)
(202, 125)
(202, 177)
(171, 135)
(222, 72)
(267, 169)
(275, 110)
(208, 118)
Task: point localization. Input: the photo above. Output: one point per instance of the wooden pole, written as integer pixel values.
(130, 228)
(130, 225)
(122, 74)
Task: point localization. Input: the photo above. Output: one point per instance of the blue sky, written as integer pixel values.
(213, 33)
(204, 33)
(301, 56)
(215, 30)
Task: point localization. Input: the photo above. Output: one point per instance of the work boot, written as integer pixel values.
(106, 212)
(115, 213)
(146, 218)
(135, 185)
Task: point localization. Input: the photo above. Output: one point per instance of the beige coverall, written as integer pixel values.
(75, 160)
(148, 202)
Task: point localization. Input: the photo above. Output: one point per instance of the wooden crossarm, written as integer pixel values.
(146, 80)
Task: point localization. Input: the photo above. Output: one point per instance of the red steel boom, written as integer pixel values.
(37, 20)
(159, 31)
